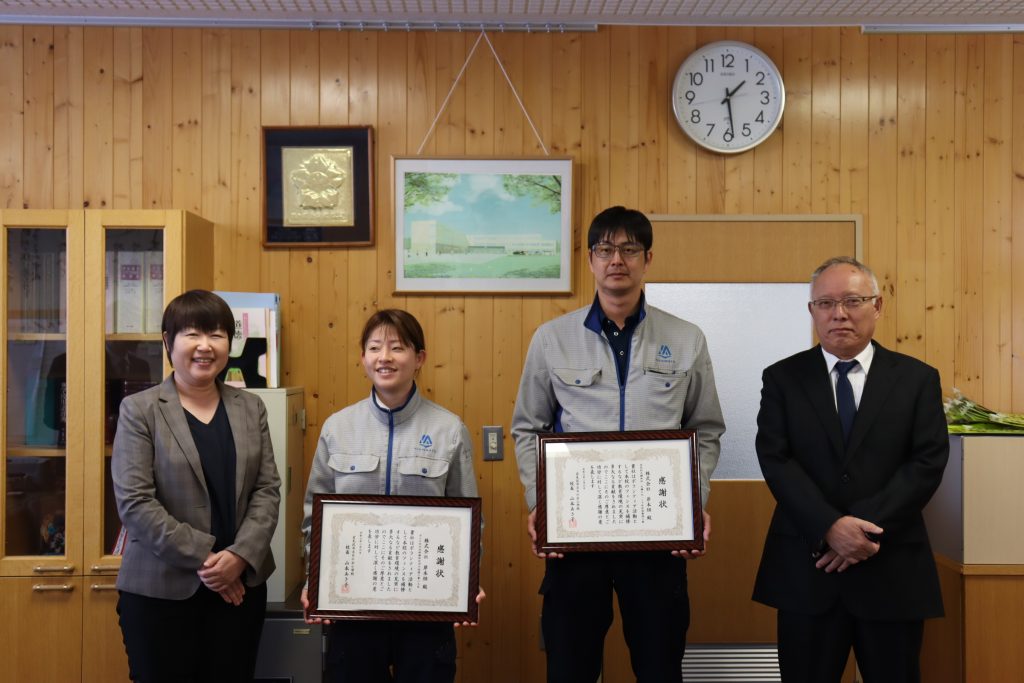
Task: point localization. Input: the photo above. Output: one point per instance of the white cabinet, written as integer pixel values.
(286, 418)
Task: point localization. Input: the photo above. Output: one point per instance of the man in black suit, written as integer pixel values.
(852, 442)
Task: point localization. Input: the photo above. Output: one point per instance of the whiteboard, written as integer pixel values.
(748, 327)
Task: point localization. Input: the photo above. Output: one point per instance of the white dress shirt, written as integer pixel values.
(857, 375)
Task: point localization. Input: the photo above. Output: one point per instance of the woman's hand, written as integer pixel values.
(479, 598)
(220, 570)
(304, 599)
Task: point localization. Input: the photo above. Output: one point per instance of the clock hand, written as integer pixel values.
(730, 94)
(728, 107)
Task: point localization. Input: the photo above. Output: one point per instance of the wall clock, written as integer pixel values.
(728, 96)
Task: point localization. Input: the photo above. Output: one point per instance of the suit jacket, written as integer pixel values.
(162, 497)
(890, 469)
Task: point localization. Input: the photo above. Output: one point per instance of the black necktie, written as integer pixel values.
(844, 396)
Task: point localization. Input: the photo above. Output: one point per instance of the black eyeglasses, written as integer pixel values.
(604, 250)
(850, 303)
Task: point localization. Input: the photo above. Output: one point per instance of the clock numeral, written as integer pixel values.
(746, 130)
(689, 95)
(709, 65)
(711, 128)
(765, 97)
(695, 116)
(760, 78)
(696, 78)
(728, 61)
(760, 117)
(746, 66)
(728, 135)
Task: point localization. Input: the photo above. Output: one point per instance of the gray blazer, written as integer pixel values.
(162, 497)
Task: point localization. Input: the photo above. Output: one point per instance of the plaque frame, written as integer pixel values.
(356, 227)
(464, 558)
(688, 532)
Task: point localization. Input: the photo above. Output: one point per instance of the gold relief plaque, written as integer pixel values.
(316, 185)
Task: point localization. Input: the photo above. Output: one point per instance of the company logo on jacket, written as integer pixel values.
(426, 442)
(664, 353)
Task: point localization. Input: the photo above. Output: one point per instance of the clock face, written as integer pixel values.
(728, 96)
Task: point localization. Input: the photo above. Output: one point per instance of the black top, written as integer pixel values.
(216, 448)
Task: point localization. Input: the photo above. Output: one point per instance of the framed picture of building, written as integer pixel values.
(483, 225)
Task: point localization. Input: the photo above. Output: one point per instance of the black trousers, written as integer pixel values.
(655, 608)
(390, 652)
(197, 640)
(815, 648)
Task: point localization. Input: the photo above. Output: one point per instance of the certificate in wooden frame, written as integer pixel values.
(394, 558)
(318, 186)
(606, 491)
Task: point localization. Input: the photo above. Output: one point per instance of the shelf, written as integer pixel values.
(134, 336)
(35, 452)
(36, 336)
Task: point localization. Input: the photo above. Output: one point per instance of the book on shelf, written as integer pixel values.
(110, 290)
(131, 294)
(254, 358)
(154, 275)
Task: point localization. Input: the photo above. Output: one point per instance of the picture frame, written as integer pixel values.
(435, 542)
(317, 186)
(618, 491)
(487, 226)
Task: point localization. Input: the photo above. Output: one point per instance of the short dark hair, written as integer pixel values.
(406, 327)
(196, 309)
(632, 222)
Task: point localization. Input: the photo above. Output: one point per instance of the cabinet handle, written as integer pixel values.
(46, 587)
(103, 587)
(100, 568)
(66, 569)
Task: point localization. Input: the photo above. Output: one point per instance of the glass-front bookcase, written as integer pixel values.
(42, 385)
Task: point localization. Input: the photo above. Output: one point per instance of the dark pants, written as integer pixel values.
(199, 639)
(814, 649)
(655, 609)
(368, 651)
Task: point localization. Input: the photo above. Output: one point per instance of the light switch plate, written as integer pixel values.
(494, 443)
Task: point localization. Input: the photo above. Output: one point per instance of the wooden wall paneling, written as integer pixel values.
(680, 173)
(592, 168)
(880, 241)
(997, 281)
(121, 118)
(622, 102)
(652, 111)
(826, 141)
(216, 135)
(67, 117)
(304, 264)
(157, 118)
(993, 618)
(1017, 234)
(238, 256)
(739, 168)
(710, 166)
(99, 132)
(942, 652)
(38, 170)
(136, 135)
(334, 78)
(391, 141)
(939, 265)
(187, 119)
(362, 263)
(797, 70)
(768, 168)
(509, 121)
(12, 118)
(910, 198)
(853, 121)
(970, 351)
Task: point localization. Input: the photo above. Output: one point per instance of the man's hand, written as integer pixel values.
(848, 544)
(694, 554)
(531, 530)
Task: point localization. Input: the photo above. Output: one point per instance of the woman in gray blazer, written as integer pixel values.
(197, 492)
